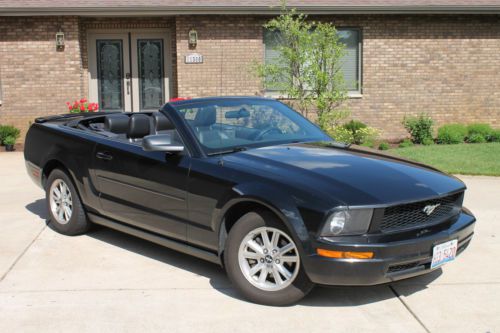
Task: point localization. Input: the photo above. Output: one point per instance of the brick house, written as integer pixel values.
(404, 57)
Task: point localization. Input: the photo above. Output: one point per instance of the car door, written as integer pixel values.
(143, 189)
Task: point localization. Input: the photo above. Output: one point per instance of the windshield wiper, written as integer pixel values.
(228, 151)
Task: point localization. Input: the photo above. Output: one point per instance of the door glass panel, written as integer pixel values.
(151, 90)
(110, 74)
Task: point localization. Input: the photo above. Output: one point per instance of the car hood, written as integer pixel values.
(351, 175)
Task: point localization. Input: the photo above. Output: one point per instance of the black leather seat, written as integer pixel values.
(117, 124)
(138, 127)
(203, 122)
(161, 124)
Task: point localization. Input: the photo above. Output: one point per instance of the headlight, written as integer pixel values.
(354, 221)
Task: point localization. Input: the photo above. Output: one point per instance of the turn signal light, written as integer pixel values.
(344, 255)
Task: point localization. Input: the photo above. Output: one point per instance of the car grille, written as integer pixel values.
(412, 215)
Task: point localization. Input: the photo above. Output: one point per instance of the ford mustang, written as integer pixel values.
(250, 184)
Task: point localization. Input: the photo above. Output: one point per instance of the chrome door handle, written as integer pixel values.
(104, 156)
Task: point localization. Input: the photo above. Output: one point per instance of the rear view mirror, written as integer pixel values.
(161, 142)
(241, 113)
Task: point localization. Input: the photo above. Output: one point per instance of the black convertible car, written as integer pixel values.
(250, 184)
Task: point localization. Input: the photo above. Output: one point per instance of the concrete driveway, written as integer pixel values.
(106, 281)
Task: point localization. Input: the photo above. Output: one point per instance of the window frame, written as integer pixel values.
(358, 93)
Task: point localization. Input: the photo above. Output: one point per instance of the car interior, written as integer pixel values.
(131, 128)
(213, 128)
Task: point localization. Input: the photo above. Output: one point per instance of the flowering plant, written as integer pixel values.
(82, 105)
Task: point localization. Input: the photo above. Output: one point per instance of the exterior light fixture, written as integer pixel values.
(60, 40)
(193, 38)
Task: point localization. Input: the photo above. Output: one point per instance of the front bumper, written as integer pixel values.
(393, 260)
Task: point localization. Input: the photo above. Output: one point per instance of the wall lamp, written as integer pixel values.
(192, 38)
(60, 40)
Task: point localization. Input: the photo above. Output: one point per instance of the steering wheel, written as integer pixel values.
(267, 131)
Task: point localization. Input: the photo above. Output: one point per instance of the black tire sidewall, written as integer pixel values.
(299, 288)
(78, 222)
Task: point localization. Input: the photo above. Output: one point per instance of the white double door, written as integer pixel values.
(129, 70)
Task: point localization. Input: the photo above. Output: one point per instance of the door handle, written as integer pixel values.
(104, 156)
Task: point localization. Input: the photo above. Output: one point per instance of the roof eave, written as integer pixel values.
(244, 10)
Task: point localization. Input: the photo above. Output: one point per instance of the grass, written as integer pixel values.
(465, 159)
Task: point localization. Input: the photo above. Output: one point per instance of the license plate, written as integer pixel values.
(443, 253)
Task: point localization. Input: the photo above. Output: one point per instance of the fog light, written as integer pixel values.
(344, 254)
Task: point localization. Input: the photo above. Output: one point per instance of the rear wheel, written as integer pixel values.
(67, 215)
(263, 261)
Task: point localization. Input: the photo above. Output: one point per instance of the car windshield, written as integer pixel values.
(234, 124)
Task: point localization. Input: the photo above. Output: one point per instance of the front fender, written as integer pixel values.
(279, 202)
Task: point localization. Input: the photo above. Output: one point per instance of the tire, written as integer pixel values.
(259, 284)
(73, 221)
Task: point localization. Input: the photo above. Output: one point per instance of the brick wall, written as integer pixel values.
(229, 45)
(37, 79)
(447, 66)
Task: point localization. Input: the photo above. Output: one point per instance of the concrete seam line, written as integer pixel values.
(22, 254)
(409, 310)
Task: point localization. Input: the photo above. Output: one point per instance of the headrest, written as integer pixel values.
(161, 123)
(205, 116)
(116, 123)
(138, 126)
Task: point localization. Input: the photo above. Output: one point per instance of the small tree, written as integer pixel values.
(308, 68)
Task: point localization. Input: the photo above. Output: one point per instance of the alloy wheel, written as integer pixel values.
(61, 202)
(268, 259)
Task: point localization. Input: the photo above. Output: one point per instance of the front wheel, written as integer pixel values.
(263, 261)
(67, 215)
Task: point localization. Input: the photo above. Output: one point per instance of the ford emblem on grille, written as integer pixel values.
(430, 208)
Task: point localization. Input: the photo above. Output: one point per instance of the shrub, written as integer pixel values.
(476, 138)
(354, 132)
(356, 127)
(428, 142)
(406, 143)
(420, 127)
(383, 146)
(484, 130)
(452, 133)
(9, 140)
(495, 136)
(8, 130)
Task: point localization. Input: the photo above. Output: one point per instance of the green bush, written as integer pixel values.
(483, 130)
(10, 140)
(8, 130)
(383, 146)
(452, 133)
(428, 141)
(476, 138)
(354, 132)
(420, 127)
(357, 129)
(495, 136)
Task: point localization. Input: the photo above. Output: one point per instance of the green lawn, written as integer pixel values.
(465, 159)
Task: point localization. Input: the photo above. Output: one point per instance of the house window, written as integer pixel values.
(351, 62)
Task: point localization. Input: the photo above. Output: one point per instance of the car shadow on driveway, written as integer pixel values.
(320, 296)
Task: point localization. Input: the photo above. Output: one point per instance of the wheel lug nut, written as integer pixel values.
(265, 251)
(277, 261)
(275, 251)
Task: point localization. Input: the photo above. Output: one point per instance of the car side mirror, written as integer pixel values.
(161, 142)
